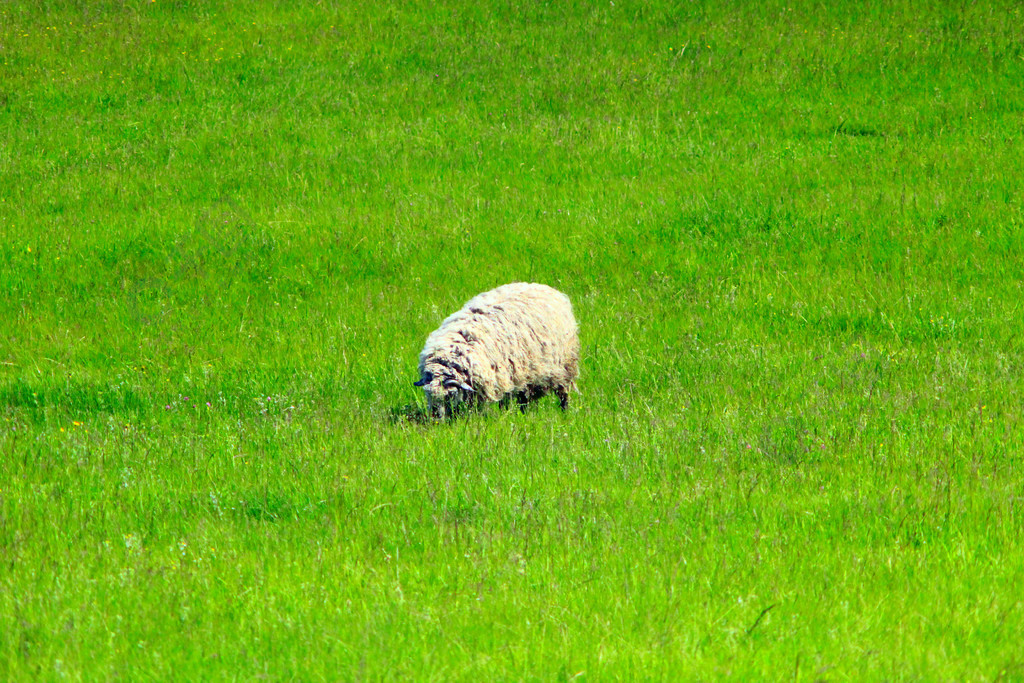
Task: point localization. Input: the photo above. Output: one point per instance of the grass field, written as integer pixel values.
(792, 234)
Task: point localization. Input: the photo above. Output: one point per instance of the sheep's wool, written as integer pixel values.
(517, 340)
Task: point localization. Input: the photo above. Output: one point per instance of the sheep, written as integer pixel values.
(516, 341)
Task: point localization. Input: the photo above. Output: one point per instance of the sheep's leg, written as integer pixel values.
(523, 400)
(563, 396)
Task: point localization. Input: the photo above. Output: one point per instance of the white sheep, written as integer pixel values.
(516, 341)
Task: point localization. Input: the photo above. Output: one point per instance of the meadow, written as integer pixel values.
(792, 235)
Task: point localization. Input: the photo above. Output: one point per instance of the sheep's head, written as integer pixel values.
(446, 386)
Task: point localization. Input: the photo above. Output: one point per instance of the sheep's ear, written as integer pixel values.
(420, 382)
(465, 387)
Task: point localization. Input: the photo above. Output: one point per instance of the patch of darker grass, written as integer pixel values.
(273, 506)
(857, 131)
(410, 412)
(73, 397)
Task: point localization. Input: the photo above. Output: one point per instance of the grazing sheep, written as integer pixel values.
(517, 341)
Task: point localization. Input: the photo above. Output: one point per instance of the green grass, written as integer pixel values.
(792, 236)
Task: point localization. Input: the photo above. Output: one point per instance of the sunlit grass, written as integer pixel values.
(791, 238)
